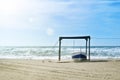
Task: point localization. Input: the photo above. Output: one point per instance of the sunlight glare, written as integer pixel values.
(9, 6)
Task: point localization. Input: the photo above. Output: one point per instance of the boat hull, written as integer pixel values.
(79, 57)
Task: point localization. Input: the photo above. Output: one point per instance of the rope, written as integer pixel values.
(53, 48)
(103, 38)
(73, 45)
(55, 44)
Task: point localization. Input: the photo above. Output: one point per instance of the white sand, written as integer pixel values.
(52, 70)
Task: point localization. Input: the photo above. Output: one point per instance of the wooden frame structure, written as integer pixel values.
(87, 38)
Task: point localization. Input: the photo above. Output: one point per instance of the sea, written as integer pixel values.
(51, 52)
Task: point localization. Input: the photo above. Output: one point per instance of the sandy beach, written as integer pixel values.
(53, 70)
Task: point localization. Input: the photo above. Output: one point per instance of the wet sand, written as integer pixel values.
(53, 70)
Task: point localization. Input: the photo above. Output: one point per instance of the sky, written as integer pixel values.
(41, 22)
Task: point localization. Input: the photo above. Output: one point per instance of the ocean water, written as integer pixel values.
(50, 52)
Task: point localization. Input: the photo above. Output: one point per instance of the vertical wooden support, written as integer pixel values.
(86, 46)
(59, 58)
(89, 49)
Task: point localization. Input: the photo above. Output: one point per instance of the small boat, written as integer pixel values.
(79, 56)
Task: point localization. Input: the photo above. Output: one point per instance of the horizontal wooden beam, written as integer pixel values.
(75, 37)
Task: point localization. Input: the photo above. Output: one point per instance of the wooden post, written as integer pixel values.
(89, 49)
(59, 58)
(86, 46)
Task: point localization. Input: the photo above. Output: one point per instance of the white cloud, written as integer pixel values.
(39, 12)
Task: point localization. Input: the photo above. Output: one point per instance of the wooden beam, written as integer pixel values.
(89, 49)
(59, 58)
(75, 37)
(86, 45)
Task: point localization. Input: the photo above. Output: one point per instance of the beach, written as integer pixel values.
(25, 69)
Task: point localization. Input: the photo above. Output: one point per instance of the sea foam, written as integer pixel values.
(97, 52)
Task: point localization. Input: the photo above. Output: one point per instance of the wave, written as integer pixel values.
(97, 52)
